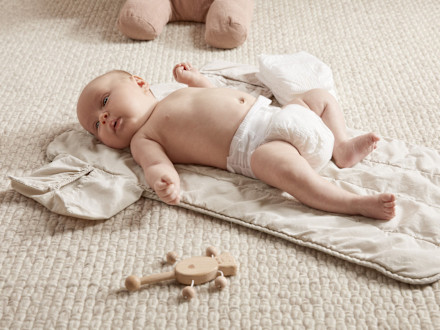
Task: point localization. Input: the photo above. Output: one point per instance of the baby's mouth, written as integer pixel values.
(116, 124)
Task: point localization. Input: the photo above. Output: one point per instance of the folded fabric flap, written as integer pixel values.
(87, 148)
(96, 196)
(62, 171)
(71, 187)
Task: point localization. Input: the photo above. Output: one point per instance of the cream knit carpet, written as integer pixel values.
(59, 272)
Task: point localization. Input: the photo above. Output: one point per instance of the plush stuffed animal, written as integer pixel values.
(227, 21)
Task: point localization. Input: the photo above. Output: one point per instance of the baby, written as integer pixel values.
(231, 130)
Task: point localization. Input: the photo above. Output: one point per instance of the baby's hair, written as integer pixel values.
(119, 72)
(122, 72)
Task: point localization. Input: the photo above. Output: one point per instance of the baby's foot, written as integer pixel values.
(350, 152)
(380, 206)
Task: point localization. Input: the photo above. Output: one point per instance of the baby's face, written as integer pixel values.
(113, 107)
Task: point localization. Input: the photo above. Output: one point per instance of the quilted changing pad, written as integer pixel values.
(89, 180)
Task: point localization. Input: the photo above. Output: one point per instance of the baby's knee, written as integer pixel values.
(298, 99)
(317, 99)
(318, 95)
(312, 99)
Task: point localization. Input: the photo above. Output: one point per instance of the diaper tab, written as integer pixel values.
(248, 137)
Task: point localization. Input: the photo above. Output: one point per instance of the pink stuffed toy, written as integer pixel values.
(227, 21)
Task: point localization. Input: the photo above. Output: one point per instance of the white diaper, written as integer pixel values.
(250, 134)
(294, 124)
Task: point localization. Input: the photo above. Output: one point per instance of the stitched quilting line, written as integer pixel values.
(87, 170)
(401, 167)
(413, 236)
(55, 186)
(300, 204)
(270, 191)
(371, 189)
(267, 191)
(23, 182)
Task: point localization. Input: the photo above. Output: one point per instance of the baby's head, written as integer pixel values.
(114, 106)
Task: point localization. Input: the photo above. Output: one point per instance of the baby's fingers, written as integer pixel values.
(185, 65)
(173, 198)
(170, 195)
(163, 184)
(179, 68)
(167, 191)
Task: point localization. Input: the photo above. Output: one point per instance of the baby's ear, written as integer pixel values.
(141, 82)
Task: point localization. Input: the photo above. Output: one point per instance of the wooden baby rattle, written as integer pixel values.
(192, 271)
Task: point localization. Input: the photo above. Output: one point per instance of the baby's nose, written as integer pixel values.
(103, 117)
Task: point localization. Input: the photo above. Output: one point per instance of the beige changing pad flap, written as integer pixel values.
(89, 180)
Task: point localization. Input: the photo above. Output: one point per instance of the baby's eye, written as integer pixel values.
(105, 100)
(97, 124)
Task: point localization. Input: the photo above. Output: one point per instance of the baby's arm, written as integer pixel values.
(159, 171)
(184, 73)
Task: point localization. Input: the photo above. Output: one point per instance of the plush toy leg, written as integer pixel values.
(144, 19)
(228, 22)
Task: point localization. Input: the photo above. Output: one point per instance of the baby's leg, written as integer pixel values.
(280, 165)
(347, 151)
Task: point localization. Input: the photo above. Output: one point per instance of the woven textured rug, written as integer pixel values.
(60, 272)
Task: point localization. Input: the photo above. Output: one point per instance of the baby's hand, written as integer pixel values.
(184, 73)
(167, 191)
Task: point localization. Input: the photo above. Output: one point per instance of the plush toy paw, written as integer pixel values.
(227, 21)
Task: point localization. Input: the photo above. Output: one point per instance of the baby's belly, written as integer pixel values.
(200, 129)
(203, 147)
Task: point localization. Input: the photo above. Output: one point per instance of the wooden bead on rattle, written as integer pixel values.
(211, 251)
(221, 282)
(171, 257)
(132, 283)
(188, 292)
